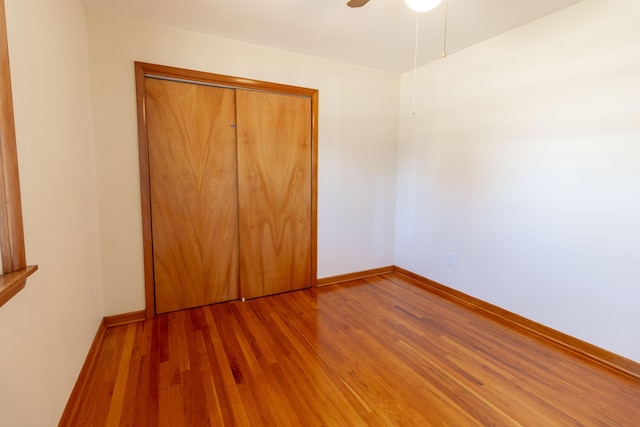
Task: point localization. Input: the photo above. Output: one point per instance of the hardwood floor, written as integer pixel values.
(373, 352)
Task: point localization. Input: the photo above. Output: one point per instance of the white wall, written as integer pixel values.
(46, 330)
(523, 160)
(357, 144)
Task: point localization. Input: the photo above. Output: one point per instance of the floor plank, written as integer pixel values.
(372, 352)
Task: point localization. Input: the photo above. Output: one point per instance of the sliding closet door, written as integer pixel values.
(192, 167)
(274, 190)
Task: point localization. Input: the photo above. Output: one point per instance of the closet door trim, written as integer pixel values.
(145, 70)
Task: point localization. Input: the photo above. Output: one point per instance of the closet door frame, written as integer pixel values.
(142, 71)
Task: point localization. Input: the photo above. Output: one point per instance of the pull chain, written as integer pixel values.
(446, 19)
(415, 64)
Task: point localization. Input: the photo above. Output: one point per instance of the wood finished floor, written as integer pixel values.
(373, 352)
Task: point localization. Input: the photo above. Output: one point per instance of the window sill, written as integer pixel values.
(12, 283)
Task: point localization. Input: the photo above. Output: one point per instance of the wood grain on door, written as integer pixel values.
(192, 166)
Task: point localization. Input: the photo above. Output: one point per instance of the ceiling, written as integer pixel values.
(380, 35)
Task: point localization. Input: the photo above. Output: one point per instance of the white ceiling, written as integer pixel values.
(380, 35)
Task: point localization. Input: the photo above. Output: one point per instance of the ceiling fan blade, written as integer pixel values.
(357, 3)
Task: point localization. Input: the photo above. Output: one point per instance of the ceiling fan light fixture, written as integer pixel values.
(422, 5)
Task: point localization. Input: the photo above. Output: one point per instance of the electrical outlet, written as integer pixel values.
(450, 258)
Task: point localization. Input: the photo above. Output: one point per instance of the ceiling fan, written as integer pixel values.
(357, 3)
(417, 5)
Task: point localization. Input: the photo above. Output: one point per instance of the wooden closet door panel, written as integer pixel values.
(192, 164)
(274, 190)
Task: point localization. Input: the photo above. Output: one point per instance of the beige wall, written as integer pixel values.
(46, 330)
(523, 160)
(357, 144)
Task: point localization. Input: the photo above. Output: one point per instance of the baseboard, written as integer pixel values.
(125, 318)
(334, 280)
(603, 357)
(83, 378)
